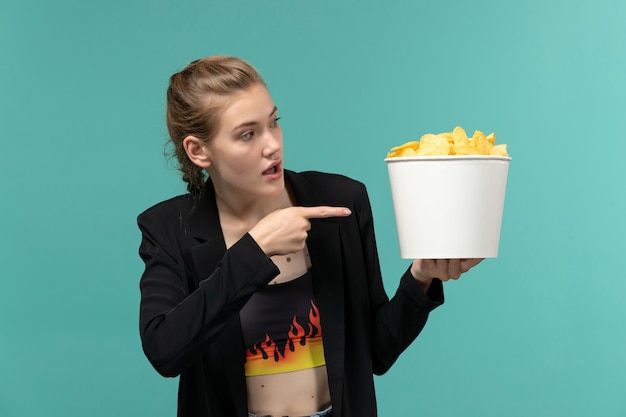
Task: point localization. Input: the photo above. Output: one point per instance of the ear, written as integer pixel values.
(197, 151)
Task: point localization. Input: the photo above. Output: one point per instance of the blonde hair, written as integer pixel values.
(195, 97)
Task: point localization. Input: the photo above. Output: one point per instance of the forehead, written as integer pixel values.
(253, 104)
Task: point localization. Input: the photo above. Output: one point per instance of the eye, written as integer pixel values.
(247, 135)
(275, 122)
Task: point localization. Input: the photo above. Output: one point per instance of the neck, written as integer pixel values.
(248, 211)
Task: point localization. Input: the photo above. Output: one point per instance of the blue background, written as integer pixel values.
(539, 331)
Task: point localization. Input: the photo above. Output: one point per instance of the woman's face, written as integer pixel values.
(246, 154)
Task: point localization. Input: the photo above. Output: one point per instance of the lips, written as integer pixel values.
(273, 169)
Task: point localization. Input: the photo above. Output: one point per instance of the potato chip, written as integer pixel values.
(461, 141)
(413, 144)
(479, 142)
(498, 150)
(431, 145)
(465, 149)
(455, 142)
(459, 135)
(402, 149)
(408, 152)
(447, 135)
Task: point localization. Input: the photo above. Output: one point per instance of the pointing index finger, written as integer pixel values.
(320, 212)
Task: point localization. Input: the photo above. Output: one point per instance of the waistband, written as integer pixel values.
(324, 413)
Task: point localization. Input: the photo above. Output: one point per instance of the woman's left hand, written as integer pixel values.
(424, 270)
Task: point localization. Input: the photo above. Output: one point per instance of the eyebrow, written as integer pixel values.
(246, 124)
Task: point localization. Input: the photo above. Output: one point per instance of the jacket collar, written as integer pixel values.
(204, 218)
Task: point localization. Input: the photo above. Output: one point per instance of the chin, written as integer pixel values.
(274, 190)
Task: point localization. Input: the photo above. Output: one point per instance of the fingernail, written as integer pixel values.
(347, 211)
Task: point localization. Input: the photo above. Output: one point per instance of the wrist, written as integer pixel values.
(421, 279)
(261, 242)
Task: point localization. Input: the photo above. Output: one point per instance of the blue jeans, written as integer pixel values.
(324, 413)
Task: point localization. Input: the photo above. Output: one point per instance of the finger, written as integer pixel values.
(428, 267)
(467, 264)
(320, 212)
(441, 269)
(454, 268)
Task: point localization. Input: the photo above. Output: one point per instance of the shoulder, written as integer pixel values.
(315, 188)
(172, 207)
(330, 182)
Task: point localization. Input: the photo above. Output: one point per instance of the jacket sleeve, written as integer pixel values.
(396, 322)
(176, 322)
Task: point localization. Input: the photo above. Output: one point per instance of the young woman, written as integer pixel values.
(262, 287)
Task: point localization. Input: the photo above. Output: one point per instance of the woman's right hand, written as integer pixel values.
(285, 231)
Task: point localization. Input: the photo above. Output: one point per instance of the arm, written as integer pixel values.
(396, 322)
(177, 322)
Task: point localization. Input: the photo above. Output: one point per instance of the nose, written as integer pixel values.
(273, 143)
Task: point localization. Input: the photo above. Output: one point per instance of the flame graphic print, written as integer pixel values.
(302, 348)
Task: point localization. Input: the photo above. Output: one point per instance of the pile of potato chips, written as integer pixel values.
(451, 143)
